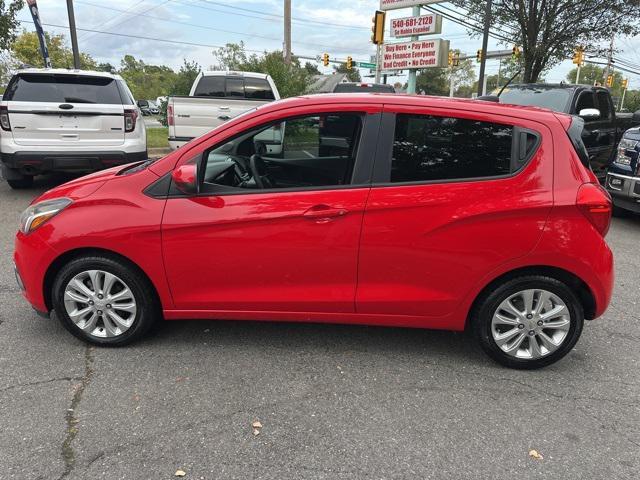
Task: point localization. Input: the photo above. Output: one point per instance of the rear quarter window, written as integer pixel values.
(63, 89)
(210, 86)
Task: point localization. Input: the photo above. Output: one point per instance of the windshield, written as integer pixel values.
(556, 99)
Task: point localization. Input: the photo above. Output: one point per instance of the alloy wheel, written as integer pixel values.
(530, 324)
(100, 303)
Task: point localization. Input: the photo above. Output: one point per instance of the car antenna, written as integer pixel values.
(509, 82)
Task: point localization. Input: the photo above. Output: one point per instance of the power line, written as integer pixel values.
(467, 24)
(206, 27)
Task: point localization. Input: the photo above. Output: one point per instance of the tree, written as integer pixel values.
(312, 69)
(549, 30)
(462, 75)
(591, 74)
(353, 75)
(8, 22)
(291, 79)
(146, 81)
(432, 81)
(26, 50)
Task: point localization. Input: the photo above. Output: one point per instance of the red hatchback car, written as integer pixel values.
(357, 208)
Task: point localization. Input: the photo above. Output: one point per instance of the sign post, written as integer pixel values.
(411, 82)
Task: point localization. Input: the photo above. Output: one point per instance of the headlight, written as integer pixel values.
(37, 215)
(625, 144)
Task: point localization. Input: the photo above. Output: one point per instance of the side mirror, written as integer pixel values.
(589, 113)
(185, 178)
(636, 116)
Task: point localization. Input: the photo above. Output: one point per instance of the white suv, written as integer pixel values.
(67, 120)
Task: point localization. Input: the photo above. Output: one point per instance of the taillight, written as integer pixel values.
(4, 118)
(169, 114)
(595, 203)
(130, 117)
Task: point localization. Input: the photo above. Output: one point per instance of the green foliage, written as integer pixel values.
(181, 85)
(291, 80)
(591, 74)
(26, 50)
(8, 22)
(549, 31)
(632, 101)
(432, 81)
(146, 81)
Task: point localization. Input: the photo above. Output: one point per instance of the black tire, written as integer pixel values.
(18, 184)
(488, 303)
(148, 308)
(620, 212)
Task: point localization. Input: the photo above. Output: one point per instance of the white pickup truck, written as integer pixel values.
(216, 97)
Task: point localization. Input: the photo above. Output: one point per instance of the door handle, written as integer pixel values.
(225, 109)
(324, 213)
(224, 117)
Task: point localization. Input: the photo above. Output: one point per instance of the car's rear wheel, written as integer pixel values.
(19, 183)
(528, 322)
(104, 301)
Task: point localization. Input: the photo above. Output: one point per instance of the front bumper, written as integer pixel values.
(32, 257)
(624, 190)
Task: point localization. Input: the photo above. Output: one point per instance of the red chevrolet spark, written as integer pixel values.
(356, 208)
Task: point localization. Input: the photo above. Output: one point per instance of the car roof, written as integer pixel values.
(418, 101)
(233, 73)
(66, 71)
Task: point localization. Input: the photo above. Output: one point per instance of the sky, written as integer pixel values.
(340, 28)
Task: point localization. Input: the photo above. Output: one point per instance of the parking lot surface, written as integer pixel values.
(334, 401)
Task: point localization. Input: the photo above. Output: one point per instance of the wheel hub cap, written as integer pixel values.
(530, 324)
(100, 303)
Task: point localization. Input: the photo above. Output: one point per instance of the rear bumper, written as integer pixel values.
(624, 190)
(33, 163)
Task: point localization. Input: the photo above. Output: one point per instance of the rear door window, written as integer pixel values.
(604, 104)
(431, 148)
(63, 89)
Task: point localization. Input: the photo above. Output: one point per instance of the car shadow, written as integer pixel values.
(315, 337)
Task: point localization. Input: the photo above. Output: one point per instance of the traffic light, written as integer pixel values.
(610, 80)
(515, 52)
(578, 56)
(325, 59)
(450, 61)
(479, 55)
(456, 58)
(349, 63)
(625, 83)
(377, 27)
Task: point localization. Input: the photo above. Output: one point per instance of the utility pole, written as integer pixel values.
(287, 32)
(485, 44)
(74, 36)
(411, 81)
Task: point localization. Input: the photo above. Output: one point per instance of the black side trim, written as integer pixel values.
(160, 188)
(65, 113)
(181, 139)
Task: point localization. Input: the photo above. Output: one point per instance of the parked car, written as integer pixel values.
(215, 98)
(67, 120)
(363, 87)
(148, 107)
(424, 212)
(603, 126)
(623, 177)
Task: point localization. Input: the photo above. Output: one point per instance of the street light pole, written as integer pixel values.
(74, 36)
(485, 43)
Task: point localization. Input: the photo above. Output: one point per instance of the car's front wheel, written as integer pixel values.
(528, 322)
(104, 301)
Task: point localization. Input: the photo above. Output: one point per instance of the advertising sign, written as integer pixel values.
(393, 4)
(415, 55)
(422, 25)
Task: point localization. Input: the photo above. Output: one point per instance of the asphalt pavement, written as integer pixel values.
(335, 402)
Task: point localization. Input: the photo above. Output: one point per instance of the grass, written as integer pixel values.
(157, 137)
